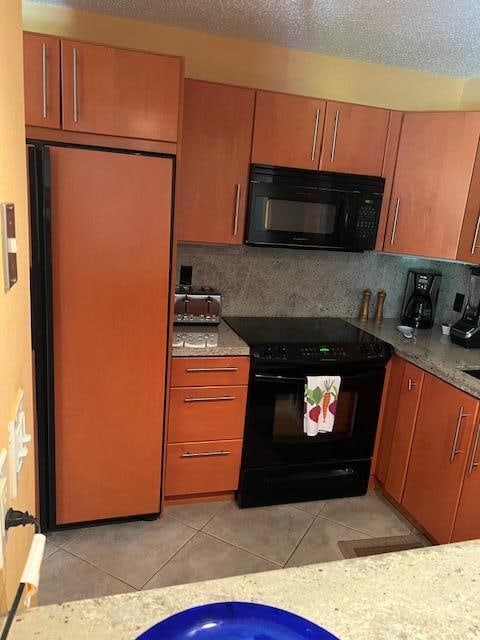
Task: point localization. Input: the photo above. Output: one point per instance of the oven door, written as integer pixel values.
(296, 215)
(274, 432)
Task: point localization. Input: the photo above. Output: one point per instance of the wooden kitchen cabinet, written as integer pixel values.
(438, 459)
(110, 330)
(354, 139)
(120, 92)
(433, 173)
(469, 244)
(202, 467)
(407, 410)
(288, 130)
(467, 522)
(392, 388)
(206, 420)
(41, 65)
(213, 179)
(210, 371)
(207, 413)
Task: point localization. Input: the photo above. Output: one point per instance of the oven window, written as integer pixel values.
(288, 418)
(299, 217)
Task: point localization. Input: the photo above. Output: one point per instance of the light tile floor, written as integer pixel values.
(205, 541)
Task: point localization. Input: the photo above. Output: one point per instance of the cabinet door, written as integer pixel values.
(288, 130)
(467, 523)
(410, 392)
(439, 456)
(120, 92)
(354, 139)
(41, 65)
(110, 281)
(212, 191)
(469, 245)
(391, 399)
(434, 167)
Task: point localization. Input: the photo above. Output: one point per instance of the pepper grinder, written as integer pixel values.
(378, 317)
(363, 315)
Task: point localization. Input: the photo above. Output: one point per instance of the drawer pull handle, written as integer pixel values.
(44, 81)
(209, 399)
(411, 384)
(208, 369)
(456, 451)
(473, 463)
(205, 454)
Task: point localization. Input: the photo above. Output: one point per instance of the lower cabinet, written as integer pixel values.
(467, 522)
(202, 467)
(205, 428)
(433, 467)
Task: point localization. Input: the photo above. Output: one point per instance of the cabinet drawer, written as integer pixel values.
(207, 372)
(206, 413)
(202, 467)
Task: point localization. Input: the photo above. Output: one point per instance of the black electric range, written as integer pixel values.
(280, 462)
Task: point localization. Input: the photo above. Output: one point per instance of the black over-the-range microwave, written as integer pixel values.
(313, 209)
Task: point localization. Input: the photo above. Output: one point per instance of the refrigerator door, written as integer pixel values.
(110, 262)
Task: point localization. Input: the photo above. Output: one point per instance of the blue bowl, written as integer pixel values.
(236, 621)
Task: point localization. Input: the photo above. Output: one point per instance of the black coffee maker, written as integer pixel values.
(466, 331)
(420, 299)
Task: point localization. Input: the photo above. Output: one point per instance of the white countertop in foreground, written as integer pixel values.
(425, 594)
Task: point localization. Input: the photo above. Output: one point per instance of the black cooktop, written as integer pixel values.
(284, 330)
(320, 340)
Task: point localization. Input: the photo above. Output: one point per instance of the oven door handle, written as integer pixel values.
(270, 378)
(266, 378)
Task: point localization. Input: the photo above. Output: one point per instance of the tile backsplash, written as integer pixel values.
(266, 281)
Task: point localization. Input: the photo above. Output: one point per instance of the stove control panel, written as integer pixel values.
(322, 353)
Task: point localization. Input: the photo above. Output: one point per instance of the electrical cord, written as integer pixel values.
(15, 518)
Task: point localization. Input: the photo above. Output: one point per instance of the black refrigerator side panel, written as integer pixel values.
(41, 315)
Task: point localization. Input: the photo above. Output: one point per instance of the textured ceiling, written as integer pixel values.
(436, 36)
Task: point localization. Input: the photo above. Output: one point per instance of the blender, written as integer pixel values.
(466, 332)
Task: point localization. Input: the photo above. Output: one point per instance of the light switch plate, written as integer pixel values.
(9, 242)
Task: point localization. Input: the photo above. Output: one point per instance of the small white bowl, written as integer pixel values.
(407, 332)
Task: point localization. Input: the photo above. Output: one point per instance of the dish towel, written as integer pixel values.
(321, 393)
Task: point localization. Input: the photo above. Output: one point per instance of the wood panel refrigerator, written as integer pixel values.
(101, 247)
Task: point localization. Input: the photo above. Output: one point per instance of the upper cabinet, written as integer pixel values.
(213, 178)
(102, 90)
(354, 139)
(41, 62)
(288, 130)
(431, 188)
(119, 92)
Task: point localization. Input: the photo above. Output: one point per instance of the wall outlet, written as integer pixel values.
(18, 441)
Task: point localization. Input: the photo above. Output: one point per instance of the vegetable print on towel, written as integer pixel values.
(321, 395)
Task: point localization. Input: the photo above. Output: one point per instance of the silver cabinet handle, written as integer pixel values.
(237, 208)
(411, 384)
(75, 84)
(473, 463)
(395, 220)
(209, 399)
(475, 236)
(456, 451)
(44, 80)
(315, 133)
(205, 454)
(335, 131)
(208, 369)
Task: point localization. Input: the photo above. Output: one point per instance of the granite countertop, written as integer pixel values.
(432, 351)
(215, 341)
(426, 594)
